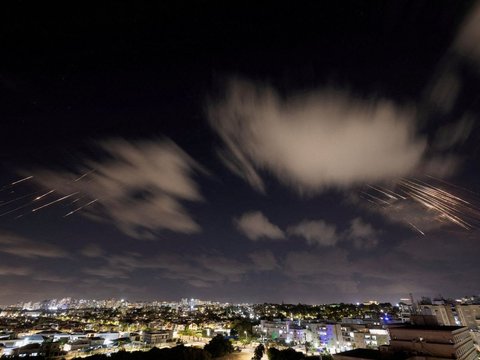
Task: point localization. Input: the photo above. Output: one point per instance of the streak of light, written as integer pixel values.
(18, 198)
(444, 206)
(17, 208)
(43, 195)
(82, 176)
(9, 186)
(416, 228)
(445, 193)
(383, 192)
(80, 208)
(77, 199)
(54, 201)
(451, 184)
(22, 180)
(376, 198)
(369, 200)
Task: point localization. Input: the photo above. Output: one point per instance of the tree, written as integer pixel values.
(287, 354)
(258, 353)
(242, 328)
(327, 356)
(219, 346)
(273, 353)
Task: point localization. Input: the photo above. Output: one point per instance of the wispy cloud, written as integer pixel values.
(362, 234)
(52, 278)
(256, 226)
(139, 186)
(19, 246)
(15, 270)
(331, 270)
(263, 260)
(92, 251)
(467, 41)
(316, 232)
(199, 270)
(450, 79)
(107, 272)
(317, 140)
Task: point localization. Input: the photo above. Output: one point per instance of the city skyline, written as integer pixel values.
(69, 302)
(318, 153)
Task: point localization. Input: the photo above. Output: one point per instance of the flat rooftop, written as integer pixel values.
(428, 327)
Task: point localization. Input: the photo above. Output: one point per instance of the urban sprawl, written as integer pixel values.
(421, 329)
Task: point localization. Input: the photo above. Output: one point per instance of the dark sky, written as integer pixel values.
(316, 152)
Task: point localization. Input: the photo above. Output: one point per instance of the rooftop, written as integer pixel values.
(428, 327)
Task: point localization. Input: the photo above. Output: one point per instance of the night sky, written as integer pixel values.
(316, 152)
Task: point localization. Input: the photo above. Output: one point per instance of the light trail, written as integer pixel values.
(16, 209)
(86, 174)
(80, 208)
(42, 196)
(55, 201)
(22, 180)
(416, 228)
(383, 192)
(376, 198)
(12, 184)
(18, 198)
(443, 205)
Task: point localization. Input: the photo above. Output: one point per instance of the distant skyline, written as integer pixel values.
(313, 153)
(71, 301)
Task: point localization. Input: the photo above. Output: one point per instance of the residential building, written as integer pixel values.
(469, 315)
(442, 312)
(417, 342)
(448, 342)
(157, 337)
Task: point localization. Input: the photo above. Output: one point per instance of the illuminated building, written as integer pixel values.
(420, 342)
(449, 342)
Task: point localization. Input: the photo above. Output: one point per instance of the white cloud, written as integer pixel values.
(139, 187)
(316, 232)
(256, 227)
(314, 141)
